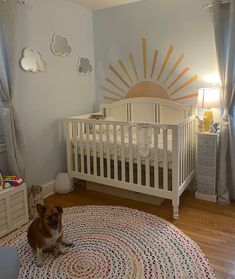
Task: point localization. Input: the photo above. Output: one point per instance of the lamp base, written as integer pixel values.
(208, 118)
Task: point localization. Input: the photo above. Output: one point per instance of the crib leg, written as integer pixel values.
(175, 204)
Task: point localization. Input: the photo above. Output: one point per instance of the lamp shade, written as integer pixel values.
(208, 97)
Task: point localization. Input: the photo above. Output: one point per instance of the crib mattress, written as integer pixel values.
(145, 151)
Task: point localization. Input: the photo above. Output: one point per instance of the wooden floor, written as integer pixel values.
(210, 225)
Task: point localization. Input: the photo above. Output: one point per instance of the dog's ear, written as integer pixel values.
(40, 209)
(59, 208)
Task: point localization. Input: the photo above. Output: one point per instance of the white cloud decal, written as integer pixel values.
(60, 46)
(84, 66)
(32, 61)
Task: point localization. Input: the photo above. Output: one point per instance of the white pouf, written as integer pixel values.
(63, 183)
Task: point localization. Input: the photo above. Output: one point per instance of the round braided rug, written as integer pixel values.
(115, 242)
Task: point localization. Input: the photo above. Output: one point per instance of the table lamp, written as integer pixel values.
(208, 98)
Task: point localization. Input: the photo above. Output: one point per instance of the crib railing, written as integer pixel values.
(113, 152)
(187, 152)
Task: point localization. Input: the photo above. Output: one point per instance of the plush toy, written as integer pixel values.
(34, 196)
(214, 127)
(13, 180)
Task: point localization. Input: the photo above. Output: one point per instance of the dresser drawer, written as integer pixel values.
(206, 189)
(206, 151)
(209, 180)
(206, 141)
(206, 161)
(210, 171)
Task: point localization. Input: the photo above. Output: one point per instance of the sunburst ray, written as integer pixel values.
(178, 77)
(190, 96)
(110, 91)
(125, 70)
(166, 59)
(144, 51)
(185, 84)
(110, 98)
(174, 67)
(164, 81)
(154, 62)
(133, 65)
(115, 85)
(118, 75)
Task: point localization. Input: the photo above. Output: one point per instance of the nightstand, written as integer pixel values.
(206, 166)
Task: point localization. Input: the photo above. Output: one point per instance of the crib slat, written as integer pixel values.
(187, 149)
(108, 150)
(94, 150)
(75, 136)
(156, 174)
(191, 146)
(130, 155)
(88, 161)
(101, 151)
(182, 153)
(123, 154)
(147, 172)
(165, 160)
(193, 143)
(81, 147)
(139, 174)
(115, 152)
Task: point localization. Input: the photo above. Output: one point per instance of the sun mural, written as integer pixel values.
(155, 82)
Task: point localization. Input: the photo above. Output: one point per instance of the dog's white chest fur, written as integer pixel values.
(52, 240)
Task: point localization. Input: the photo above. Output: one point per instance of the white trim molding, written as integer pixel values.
(48, 189)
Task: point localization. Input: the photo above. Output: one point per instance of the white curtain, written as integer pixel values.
(224, 28)
(12, 132)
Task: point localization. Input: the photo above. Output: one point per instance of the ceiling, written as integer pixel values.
(102, 4)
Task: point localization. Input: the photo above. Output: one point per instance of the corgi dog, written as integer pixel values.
(45, 233)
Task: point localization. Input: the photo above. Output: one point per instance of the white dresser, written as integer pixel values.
(13, 208)
(206, 166)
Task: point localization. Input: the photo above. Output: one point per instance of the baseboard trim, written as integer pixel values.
(205, 197)
(48, 189)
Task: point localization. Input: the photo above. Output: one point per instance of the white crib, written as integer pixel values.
(149, 147)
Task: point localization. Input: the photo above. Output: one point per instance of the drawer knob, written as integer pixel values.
(205, 151)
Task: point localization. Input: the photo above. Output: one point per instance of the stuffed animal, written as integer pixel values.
(35, 196)
(214, 127)
(12, 180)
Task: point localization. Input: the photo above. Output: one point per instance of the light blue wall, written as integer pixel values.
(182, 23)
(42, 100)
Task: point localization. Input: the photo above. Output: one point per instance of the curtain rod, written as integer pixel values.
(209, 5)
